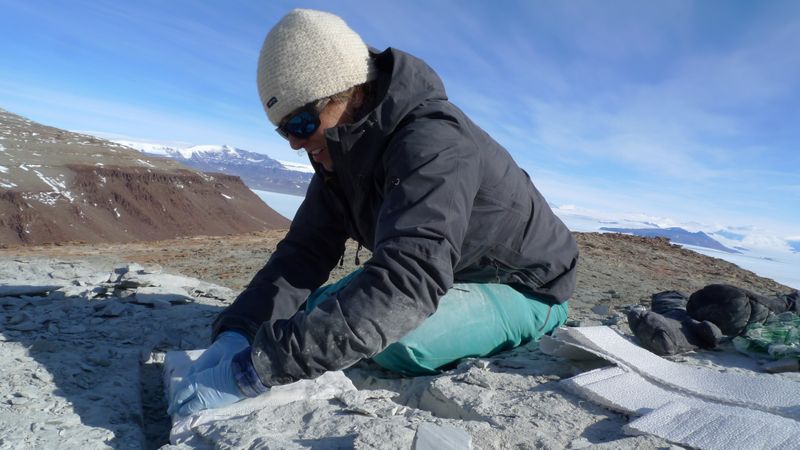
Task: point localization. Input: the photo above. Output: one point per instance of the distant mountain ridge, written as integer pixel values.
(58, 186)
(258, 171)
(676, 235)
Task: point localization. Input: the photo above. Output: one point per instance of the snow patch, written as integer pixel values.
(297, 167)
(2, 149)
(7, 185)
(226, 196)
(157, 149)
(145, 163)
(58, 187)
(3, 169)
(46, 198)
(224, 149)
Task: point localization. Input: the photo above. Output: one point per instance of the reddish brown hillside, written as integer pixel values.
(58, 186)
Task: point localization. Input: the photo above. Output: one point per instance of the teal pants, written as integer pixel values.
(472, 320)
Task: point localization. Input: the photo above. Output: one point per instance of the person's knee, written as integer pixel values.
(404, 359)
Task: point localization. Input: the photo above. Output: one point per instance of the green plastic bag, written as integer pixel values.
(778, 337)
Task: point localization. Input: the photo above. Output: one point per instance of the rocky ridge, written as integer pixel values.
(58, 186)
(258, 171)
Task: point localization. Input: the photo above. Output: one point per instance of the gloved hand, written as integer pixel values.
(211, 388)
(227, 344)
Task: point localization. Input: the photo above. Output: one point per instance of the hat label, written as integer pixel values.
(271, 102)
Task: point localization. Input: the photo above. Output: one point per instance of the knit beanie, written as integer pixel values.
(309, 55)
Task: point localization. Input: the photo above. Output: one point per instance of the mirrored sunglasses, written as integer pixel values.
(304, 122)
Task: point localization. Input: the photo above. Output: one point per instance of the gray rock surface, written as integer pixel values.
(80, 361)
(75, 363)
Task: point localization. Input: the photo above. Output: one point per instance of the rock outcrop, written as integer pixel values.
(58, 186)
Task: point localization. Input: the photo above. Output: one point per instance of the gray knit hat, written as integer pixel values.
(307, 56)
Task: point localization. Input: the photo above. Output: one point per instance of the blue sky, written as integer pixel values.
(686, 111)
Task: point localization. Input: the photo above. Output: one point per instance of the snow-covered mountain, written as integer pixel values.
(257, 170)
(764, 252)
(676, 235)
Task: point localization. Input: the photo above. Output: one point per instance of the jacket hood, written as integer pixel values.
(404, 82)
(411, 82)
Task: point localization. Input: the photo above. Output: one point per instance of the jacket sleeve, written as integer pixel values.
(302, 261)
(432, 176)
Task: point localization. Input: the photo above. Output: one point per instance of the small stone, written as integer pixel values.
(602, 310)
(27, 326)
(43, 346)
(135, 268)
(361, 410)
(783, 365)
(444, 437)
(7, 290)
(614, 319)
(102, 362)
(581, 442)
(110, 309)
(19, 317)
(75, 329)
(162, 296)
(28, 394)
(18, 400)
(475, 378)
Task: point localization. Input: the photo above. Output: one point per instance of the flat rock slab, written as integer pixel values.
(71, 366)
(54, 396)
(434, 437)
(8, 289)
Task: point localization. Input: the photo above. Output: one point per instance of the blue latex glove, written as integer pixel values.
(224, 348)
(212, 388)
(227, 344)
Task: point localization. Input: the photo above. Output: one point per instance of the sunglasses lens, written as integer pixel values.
(302, 125)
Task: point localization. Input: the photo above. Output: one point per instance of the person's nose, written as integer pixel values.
(295, 142)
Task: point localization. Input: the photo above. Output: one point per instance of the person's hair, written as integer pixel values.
(367, 91)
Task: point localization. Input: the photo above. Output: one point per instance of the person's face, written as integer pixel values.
(332, 115)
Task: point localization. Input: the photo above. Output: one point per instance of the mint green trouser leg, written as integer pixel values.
(473, 320)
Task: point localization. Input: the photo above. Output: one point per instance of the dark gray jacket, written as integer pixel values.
(434, 198)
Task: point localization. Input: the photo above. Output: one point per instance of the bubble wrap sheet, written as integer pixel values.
(687, 405)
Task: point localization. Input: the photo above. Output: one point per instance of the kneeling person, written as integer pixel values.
(467, 257)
